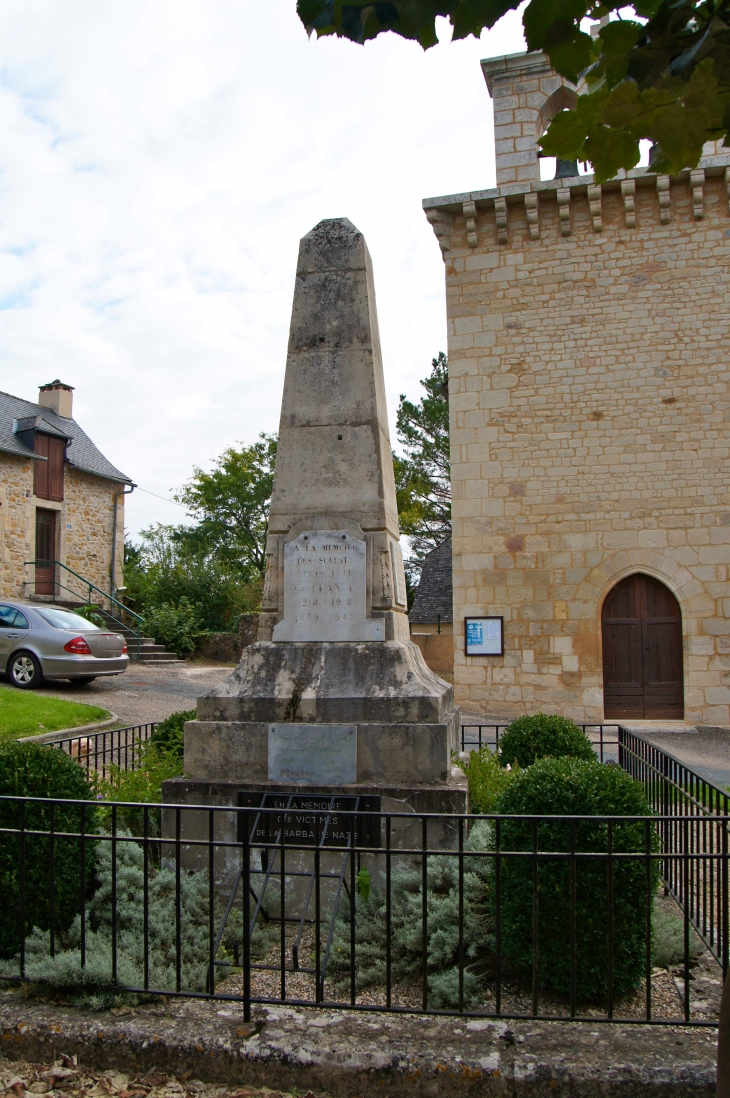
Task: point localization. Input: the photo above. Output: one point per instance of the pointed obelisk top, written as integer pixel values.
(333, 479)
(334, 457)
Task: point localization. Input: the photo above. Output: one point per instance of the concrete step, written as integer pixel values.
(154, 657)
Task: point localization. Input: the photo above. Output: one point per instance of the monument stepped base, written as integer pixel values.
(400, 719)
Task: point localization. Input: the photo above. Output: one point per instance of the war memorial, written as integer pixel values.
(333, 706)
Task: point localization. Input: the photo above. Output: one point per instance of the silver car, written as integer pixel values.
(39, 641)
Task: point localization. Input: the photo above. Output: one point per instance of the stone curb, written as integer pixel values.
(66, 733)
(369, 1054)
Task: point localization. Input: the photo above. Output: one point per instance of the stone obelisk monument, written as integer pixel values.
(333, 696)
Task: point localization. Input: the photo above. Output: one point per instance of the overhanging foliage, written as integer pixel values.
(660, 72)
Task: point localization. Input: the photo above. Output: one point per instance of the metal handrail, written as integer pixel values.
(90, 585)
(104, 594)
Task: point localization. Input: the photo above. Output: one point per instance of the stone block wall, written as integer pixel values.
(589, 380)
(89, 511)
(83, 527)
(16, 488)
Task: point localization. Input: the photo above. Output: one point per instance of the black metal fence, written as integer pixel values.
(120, 747)
(306, 902)
(604, 738)
(695, 850)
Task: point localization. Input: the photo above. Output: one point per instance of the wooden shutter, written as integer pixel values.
(40, 468)
(48, 475)
(56, 457)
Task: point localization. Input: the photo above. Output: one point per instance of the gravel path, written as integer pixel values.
(145, 692)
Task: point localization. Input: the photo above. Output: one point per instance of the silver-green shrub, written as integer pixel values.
(64, 970)
(406, 926)
(92, 984)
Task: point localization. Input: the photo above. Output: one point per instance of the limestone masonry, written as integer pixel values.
(588, 378)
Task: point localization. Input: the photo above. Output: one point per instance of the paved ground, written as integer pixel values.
(706, 750)
(145, 692)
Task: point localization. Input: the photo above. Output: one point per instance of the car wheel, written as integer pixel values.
(25, 671)
(82, 680)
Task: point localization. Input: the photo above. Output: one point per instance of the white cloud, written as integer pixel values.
(158, 165)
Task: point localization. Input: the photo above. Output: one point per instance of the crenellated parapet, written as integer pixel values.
(566, 207)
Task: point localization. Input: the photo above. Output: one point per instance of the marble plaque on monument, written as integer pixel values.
(313, 754)
(325, 590)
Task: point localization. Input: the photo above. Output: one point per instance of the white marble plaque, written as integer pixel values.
(325, 590)
(313, 754)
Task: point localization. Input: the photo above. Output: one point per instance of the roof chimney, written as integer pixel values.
(58, 397)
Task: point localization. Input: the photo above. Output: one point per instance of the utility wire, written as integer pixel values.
(166, 500)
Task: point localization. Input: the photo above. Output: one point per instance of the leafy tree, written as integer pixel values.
(423, 477)
(660, 72)
(199, 578)
(171, 568)
(231, 506)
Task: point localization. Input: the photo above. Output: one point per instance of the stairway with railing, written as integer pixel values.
(74, 591)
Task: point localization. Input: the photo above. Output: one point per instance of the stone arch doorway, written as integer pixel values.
(641, 629)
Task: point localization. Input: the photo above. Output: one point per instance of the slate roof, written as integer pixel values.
(18, 417)
(434, 594)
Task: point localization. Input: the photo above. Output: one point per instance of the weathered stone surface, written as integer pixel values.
(333, 642)
(385, 681)
(334, 470)
(369, 1054)
(407, 752)
(407, 803)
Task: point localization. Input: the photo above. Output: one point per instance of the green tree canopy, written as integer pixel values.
(230, 506)
(214, 565)
(423, 476)
(657, 70)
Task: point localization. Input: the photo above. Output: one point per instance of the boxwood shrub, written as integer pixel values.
(541, 735)
(564, 787)
(33, 770)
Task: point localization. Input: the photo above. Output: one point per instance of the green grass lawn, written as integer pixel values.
(25, 714)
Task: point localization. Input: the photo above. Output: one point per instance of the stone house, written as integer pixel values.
(432, 614)
(60, 501)
(589, 382)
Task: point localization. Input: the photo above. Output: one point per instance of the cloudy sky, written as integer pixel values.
(159, 162)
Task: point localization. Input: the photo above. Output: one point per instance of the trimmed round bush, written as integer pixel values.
(541, 735)
(33, 770)
(564, 787)
(170, 733)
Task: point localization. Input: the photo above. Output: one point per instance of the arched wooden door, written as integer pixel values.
(641, 625)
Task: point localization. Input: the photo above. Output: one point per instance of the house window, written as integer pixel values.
(48, 475)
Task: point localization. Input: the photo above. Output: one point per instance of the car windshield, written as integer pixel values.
(64, 619)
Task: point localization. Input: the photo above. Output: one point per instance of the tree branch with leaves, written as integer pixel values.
(657, 70)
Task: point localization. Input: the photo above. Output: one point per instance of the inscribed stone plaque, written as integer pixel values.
(313, 754)
(325, 590)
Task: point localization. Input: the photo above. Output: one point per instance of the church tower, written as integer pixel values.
(589, 379)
